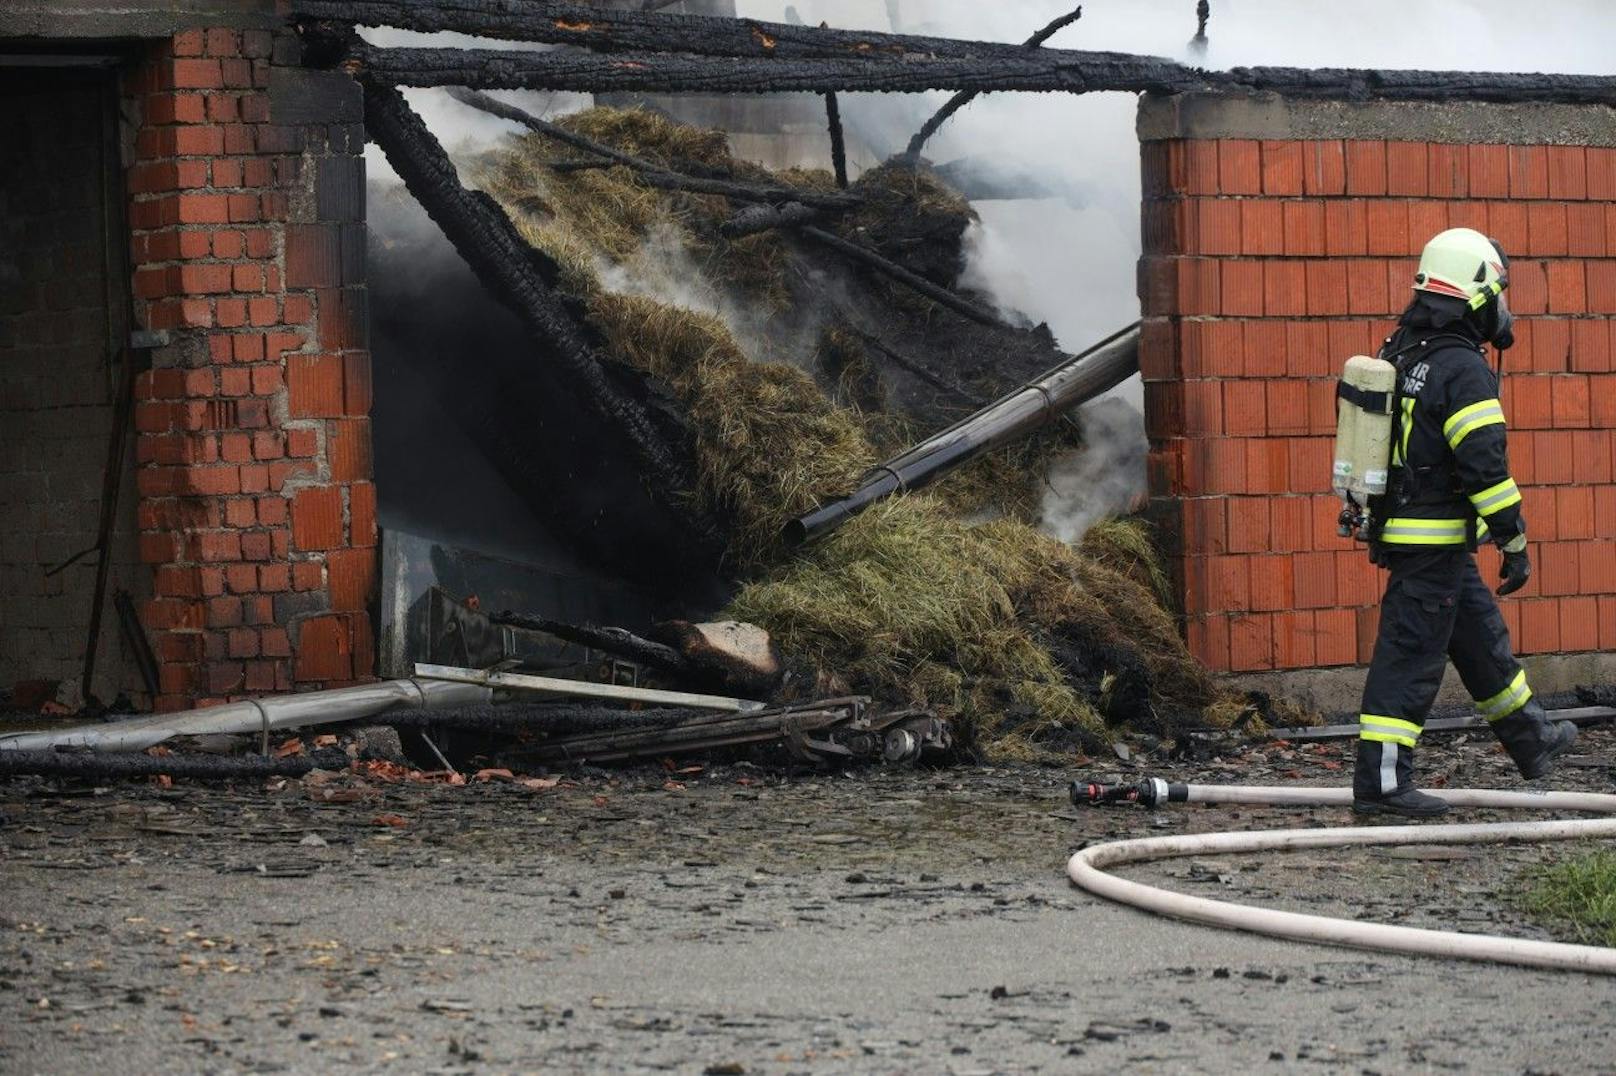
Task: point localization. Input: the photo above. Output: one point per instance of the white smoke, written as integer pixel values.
(1103, 478)
(663, 269)
(463, 130)
(1069, 259)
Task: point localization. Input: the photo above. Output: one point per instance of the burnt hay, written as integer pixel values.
(1035, 648)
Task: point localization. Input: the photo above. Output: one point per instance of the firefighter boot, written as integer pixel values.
(1532, 740)
(1383, 782)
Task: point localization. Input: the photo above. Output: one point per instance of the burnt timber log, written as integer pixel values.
(1101, 367)
(548, 718)
(601, 30)
(617, 641)
(914, 281)
(652, 174)
(515, 273)
(762, 218)
(1043, 70)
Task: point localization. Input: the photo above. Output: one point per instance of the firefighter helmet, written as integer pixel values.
(1461, 263)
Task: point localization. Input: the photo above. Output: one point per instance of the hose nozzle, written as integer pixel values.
(1150, 792)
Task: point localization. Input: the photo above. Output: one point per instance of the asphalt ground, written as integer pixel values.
(738, 919)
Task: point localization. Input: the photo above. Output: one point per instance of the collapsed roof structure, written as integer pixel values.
(915, 604)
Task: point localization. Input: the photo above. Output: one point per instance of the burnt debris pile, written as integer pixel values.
(783, 335)
(760, 342)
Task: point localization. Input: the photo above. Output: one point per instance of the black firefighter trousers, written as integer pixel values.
(1436, 609)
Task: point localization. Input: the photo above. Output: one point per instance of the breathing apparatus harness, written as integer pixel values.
(1409, 486)
(1365, 503)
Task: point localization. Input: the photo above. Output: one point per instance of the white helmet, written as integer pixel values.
(1461, 263)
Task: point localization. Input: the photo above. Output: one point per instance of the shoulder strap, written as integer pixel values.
(1396, 357)
(1376, 403)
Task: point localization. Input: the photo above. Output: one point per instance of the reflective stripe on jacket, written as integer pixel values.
(1449, 452)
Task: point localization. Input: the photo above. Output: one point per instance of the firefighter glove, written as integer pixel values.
(1515, 570)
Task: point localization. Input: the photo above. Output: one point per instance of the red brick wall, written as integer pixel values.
(1266, 265)
(256, 507)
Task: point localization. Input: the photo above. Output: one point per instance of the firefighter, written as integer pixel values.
(1449, 488)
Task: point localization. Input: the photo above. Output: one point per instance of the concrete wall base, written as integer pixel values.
(1335, 693)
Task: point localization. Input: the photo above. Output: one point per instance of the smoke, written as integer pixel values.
(463, 130)
(663, 269)
(1104, 477)
(1068, 257)
(1069, 260)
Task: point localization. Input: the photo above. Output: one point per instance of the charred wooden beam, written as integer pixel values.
(762, 218)
(589, 72)
(555, 22)
(965, 97)
(1044, 70)
(618, 641)
(939, 295)
(838, 147)
(516, 274)
(924, 373)
(549, 718)
(579, 165)
(653, 175)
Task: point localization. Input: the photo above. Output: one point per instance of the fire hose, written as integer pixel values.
(1089, 867)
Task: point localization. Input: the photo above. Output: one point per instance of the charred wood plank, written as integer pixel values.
(653, 174)
(555, 22)
(612, 640)
(1044, 70)
(516, 274)
(965, 97)
(665, 72)
(549, 718)
(925, 373)
(939, 295)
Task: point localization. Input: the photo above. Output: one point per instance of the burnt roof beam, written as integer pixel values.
(520, 276)
(552, 22)
(768, 56)
(1047, 70)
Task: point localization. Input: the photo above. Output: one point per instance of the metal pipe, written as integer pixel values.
(256, 715)
(1088, 868)
(1078, 380)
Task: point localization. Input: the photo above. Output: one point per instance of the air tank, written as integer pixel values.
(1363, 435)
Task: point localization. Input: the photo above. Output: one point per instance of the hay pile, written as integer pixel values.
(1031, 645)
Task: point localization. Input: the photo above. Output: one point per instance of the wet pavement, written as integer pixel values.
(738, 920)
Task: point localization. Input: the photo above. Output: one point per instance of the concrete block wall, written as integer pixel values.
(257, 512)
(1280, 238)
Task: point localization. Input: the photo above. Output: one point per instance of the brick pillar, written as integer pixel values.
(257, 511)
(1280, 238)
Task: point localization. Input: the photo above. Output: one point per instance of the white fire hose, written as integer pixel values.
(1088, 868)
